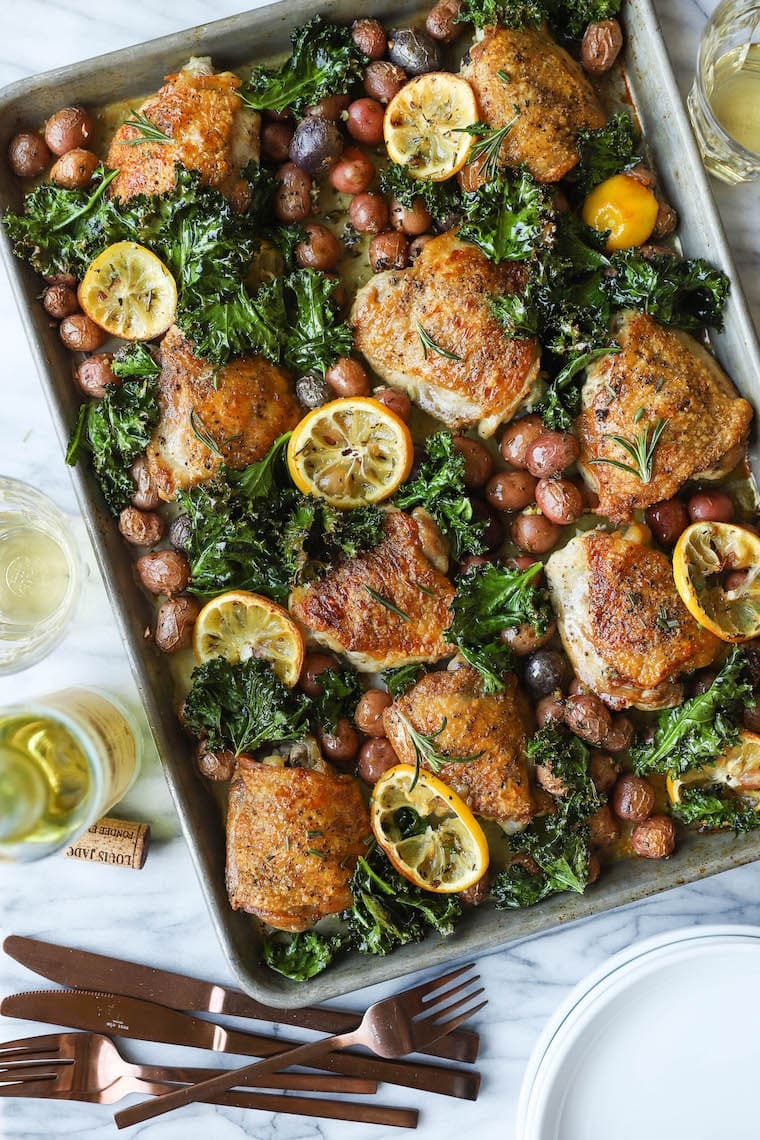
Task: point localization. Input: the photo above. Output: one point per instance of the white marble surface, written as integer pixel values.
(157, 915)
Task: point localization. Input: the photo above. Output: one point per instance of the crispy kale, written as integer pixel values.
(561, 402)
(443, 199)
(688, 293)
(337, 700)
(301, 956)
(389, 911)
(713, 806)
(260, 479)
(605, 151)
(700, 730)
(507, 218)
(244, 706)
(399, 681)
(556, 843)
(316, 335)
(439, 487)
(235, 322)
(115, 430)
(324, 61)
(316, 535)
(567, 20)
(134, 360)
(489, 599)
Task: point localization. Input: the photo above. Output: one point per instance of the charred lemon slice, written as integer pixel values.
(708, 563)
(429, 834)
(129, 292)
(426, 122)
(738, 769)
(239, 625)
(350, 452)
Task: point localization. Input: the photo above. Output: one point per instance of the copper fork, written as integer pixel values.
(88, 1067)
(390, 1028)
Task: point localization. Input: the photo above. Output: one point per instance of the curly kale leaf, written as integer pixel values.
(442, 199)
(389, 911)
(712, 807)
(244, 706)
(301, 956)
(340, 692)
(700, 730)
(324, 61)
(316, 336)
(399, 681)
(262, 478)
(489, 599)
(115, 430)
(557, 843)
(134, 360)
(561, 402)
(688, 293)
(507, 218)
(439, 487)
(567, 20)
(235, 323)
(605, 151)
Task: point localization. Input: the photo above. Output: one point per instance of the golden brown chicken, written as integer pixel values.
(623, 625)
(243, 408)
(661, 374)
(467, 722)
(293, 838)
(209, 130)
(525, 78)
(444, 297)
(386, 607)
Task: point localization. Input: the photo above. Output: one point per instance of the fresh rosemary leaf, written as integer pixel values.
(147, 131)
(426, 752)
(488, 147)
(389, 605)
(201, 433)
(429, 345)
(641, 450)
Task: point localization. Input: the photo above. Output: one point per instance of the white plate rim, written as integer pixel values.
(603, 977)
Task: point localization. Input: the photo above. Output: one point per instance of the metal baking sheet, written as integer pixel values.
(232, 42)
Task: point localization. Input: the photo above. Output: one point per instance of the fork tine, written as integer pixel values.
(415, 998)
(33, 1073)
(436, 1014)
(450, 1026)
(438, 999)
(49, 1043)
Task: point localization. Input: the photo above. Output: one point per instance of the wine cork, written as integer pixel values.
(115, 842)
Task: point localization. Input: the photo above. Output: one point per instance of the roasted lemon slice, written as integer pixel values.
(429, 834)
(426, 122)
(738, 769)
(351, 452)
(129, 292)
(704, 554)
(239, 625)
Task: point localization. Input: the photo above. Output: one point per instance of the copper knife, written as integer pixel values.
(81, 969)
(146, 1021)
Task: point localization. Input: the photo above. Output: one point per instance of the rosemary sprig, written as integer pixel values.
(488, 146)
(426, 752)
(429, 345)
(641, 450)
(664, 621)
(147, 131)
(201, 433)
(389, 605)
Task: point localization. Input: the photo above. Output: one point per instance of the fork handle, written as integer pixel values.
(292, 1082)
(223, 1082)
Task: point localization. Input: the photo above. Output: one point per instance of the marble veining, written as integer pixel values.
(157, 915)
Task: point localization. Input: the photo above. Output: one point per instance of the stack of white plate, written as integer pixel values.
(660, 1043)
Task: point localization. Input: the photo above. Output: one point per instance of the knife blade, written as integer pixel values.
(81, 969)
(146, 1021)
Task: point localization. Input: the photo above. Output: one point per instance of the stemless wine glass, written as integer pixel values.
(724, 102)
(40, 572)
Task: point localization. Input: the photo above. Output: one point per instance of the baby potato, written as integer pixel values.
(623, 206)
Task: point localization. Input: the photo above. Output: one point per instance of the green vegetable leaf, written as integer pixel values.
(324, 61)
(398, 681)
(489, 599)
(605, 151)
(567, 20)
(244, 706)
(439, 487)
(713, 806)
(258, 480)
(340, 694)
(700, 730)
(507, 218)
(562, 401)
(442, 199)
(134, 360)
(317, 335)
(235, 323)
(115, 430)
(690, 294)
(301, 956)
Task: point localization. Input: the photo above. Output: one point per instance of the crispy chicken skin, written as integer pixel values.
(250, 406)
(277, 819)
(669, 375)
(624, 627)
(496, 784)
(547, 95)
(210, 131)
(446, 293)
(339, 612)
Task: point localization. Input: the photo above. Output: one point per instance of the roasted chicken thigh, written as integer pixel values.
(523, 77)
(243, 408)
(475, 374)
(489, 728)
(386, 607)
(623, 625)
(208, 128)
(660, 374)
